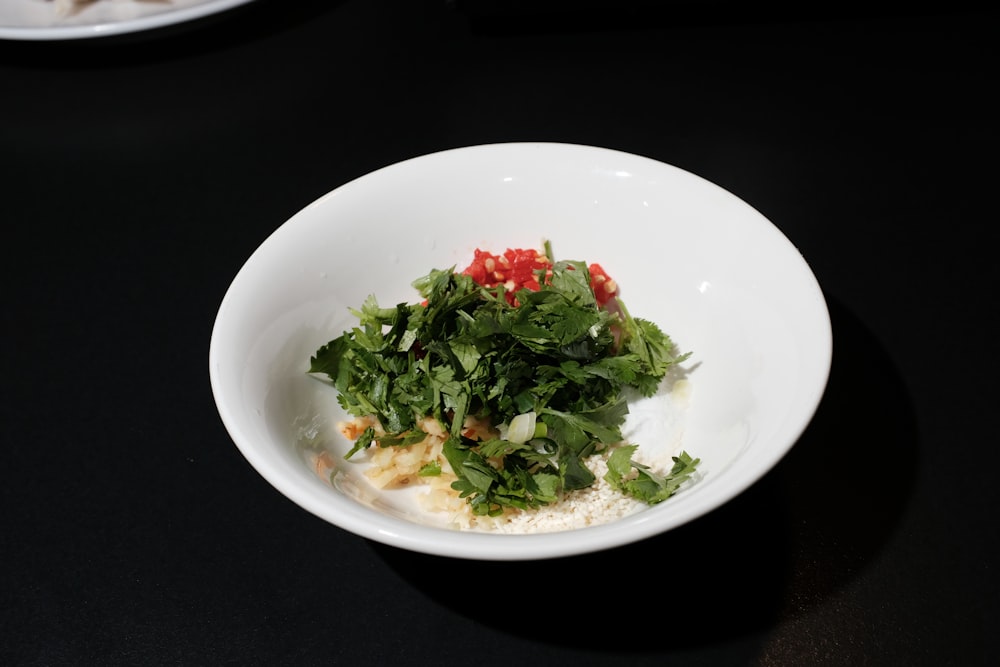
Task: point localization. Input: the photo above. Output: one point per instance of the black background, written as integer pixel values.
(138, 173)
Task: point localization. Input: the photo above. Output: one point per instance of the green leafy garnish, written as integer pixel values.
(645, 484)
(432, 469)
(467, 351)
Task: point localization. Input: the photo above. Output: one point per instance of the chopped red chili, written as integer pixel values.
(518, 268)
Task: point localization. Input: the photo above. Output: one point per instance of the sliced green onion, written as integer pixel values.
(522, 428)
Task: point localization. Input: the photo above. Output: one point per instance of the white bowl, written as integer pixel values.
(717, 276)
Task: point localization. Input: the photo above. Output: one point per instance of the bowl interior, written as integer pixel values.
(718, 277)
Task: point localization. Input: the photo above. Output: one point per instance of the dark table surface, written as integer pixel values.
(138, 173)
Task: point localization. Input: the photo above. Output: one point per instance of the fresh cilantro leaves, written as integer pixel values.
(466, 350)
(645, 484)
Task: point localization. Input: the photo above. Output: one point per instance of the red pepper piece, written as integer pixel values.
(605, 288)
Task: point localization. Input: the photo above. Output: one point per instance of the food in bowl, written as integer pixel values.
(701, 263)
(504, 391)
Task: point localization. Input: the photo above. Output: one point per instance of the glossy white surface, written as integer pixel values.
(709, 269)
(39, 20)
